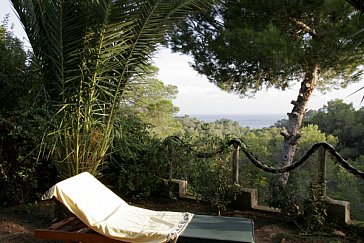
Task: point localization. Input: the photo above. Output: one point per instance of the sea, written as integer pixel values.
(245, 120)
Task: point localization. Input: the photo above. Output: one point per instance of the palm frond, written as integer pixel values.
(89, 51)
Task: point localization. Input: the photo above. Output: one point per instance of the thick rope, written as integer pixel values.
(271, 169)
(298, 163)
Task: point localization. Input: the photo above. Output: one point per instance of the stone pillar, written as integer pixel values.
(235, 165)
(170, 149)
(322, 169)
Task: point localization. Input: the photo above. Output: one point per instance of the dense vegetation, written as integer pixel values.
(23, 174)
(87, 53)
(279, 43)
(138, 150)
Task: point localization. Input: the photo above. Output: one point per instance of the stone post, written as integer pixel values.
(322, 169)
(235, 165)
(170, 154)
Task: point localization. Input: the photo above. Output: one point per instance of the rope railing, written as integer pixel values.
(273, 169)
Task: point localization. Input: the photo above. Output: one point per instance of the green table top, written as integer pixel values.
(203, 228)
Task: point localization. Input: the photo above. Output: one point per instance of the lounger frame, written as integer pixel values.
(72, 230)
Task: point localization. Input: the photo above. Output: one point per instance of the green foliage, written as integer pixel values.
(243, 46)
(298, 178)
(22, 121)
(315, 208)
(344, 122)
(210, 177)
(12, 70)
(150, 100)
(303, 180)
(23, 175)
(265, 144)
(19, 82)
(285, 200)
(223, 190)
(88, 51)
(310, 216)
(138, 162)
(195, 129)
(342, 185)
(141, 161)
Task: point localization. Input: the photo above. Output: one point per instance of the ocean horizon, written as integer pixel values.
(245, 120)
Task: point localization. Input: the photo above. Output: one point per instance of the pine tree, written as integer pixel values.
(244, 46)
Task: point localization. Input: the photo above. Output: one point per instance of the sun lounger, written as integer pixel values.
(102, 216)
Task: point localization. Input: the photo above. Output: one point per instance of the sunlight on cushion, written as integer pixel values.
(106, 213)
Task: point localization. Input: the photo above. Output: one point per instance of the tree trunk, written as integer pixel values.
(295, 118)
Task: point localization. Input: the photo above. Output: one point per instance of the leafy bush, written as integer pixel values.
(213, 182)
(206, 164)
(315, 208)
(23, 175)
(138, 162)
(22, 121)
(309, 215)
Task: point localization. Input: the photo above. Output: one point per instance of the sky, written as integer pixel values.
(196, 95)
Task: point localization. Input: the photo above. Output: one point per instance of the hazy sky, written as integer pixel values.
(198, 96)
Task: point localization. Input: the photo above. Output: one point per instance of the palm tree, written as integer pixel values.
(88, 51)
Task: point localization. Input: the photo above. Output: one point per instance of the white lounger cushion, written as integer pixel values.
(106, 213)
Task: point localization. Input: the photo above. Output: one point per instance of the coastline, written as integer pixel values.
(245, 120)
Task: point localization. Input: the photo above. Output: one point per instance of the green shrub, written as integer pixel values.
(23, 175)
(138, 162)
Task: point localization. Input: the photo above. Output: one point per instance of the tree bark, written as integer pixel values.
(295, 118)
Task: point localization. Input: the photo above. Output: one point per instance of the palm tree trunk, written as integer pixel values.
(292, 134)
